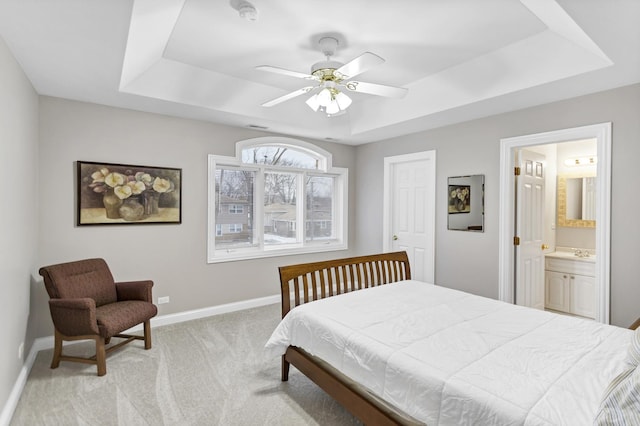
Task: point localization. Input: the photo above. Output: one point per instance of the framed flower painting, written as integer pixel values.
(459, 196)
(465, 203)
(119, 194)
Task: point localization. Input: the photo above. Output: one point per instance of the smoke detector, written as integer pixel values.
(245, 9)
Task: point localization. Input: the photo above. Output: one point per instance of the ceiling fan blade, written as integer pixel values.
(288, 96)
(286, 72)
(375, 89)
(362, 63)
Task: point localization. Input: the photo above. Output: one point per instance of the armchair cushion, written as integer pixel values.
(117, 317)
(84, 278)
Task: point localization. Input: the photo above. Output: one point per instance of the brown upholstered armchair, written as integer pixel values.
(86, 303)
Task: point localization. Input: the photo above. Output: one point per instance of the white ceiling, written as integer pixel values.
(459, 59)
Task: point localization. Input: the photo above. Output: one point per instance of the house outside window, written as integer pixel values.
(277, 196)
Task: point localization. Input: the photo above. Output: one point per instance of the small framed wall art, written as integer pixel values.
(118, 194)
(465, 206)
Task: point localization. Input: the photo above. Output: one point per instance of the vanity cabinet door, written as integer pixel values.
(557, 291)
(583, 296)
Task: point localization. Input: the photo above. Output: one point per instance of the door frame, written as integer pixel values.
(389, 163)
(602, 133)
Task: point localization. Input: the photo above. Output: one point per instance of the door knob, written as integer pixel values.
(545, 247)
(395, 237)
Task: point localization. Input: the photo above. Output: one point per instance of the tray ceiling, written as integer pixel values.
(459, 59)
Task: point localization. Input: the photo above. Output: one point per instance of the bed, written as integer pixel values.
(393, 350)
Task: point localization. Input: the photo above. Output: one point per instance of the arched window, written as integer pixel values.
(276, 196)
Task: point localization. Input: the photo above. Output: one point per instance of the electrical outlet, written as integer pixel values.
(21, 350)
(162, 300)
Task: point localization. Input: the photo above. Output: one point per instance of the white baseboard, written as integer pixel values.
(43, 343)
(211, 311)
(14, 396)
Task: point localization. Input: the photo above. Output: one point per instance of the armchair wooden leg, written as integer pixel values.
(101, 356)
(57, 349)
(147, 334)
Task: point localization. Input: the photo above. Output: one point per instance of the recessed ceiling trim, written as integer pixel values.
(562, 51)
(177, 82)
(149, 31)
(558, 21)
(537, 60)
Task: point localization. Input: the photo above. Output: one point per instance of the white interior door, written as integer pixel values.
(410, 210)
(530, 230)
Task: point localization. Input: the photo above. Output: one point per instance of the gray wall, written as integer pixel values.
(18, 212)
(469, 261)
(174, 256)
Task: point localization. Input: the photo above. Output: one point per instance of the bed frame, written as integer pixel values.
(307, 282)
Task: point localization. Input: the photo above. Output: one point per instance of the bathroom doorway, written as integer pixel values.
(546, 142)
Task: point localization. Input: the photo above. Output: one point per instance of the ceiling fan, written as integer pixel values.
(329, 79)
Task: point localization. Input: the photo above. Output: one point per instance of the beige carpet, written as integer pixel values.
(210, 371)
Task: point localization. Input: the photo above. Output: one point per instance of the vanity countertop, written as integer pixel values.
(570, 254)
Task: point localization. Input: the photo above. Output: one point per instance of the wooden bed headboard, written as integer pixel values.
(318, 280)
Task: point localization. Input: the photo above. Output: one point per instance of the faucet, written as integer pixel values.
(580, 252)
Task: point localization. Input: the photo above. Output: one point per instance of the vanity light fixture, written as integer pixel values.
(581, 161)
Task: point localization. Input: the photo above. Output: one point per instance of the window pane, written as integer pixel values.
(280, 211)
(319, 208)
(234, 208)
(279, 156)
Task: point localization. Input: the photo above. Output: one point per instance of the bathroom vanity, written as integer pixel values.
(570, 282)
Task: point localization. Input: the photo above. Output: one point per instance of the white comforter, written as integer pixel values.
(450, 358)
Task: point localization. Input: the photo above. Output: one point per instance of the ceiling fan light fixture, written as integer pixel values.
(329, 101)
(332, 78)
(313, 102)
(343, 100)
(325, 97)
(332, 108)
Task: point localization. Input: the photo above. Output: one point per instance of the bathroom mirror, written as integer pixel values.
(465, 203)
(576, 201)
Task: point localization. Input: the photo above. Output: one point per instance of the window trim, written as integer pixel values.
(325, 168)
(325, 158)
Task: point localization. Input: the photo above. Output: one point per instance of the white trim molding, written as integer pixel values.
(602, 133)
